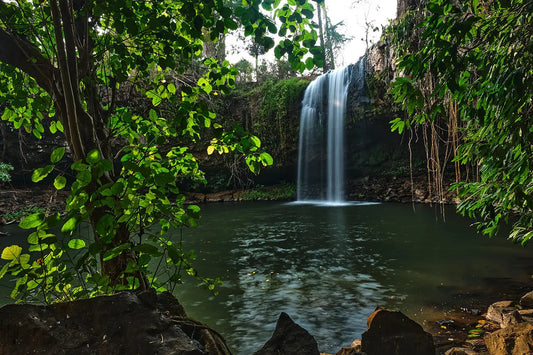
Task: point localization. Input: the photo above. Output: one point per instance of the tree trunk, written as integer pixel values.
(321, 34)
(84, 129)
(329, 46)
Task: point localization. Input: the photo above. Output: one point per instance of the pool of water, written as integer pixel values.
(328, 267)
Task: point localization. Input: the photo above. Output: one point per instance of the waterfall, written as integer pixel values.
(321, 145)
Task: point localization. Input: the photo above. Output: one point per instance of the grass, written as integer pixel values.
(284, 191)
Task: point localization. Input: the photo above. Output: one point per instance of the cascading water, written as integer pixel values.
(321, 146)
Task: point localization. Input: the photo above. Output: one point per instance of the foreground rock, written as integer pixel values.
(289, 339)
(515, 339)
(124, 323)
(391, 332)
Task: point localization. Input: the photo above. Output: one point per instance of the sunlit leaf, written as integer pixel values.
(32, 221)
(11, 252)
(57, 154)
(76, 244)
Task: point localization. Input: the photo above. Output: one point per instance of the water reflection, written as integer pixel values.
(329, 267)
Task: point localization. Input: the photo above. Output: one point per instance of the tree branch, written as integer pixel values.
(15, 50)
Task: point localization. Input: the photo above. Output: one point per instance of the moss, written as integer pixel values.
(284, 191)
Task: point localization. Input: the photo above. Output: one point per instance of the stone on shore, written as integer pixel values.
(393, 333)
(516, 339)
(125, 323)
(527, 300)
(289, 339)
(497, 310)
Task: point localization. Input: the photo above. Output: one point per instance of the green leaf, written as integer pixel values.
(11, 252)
(309, 63)
(59, 126)
(70, 225)
(153, 115)
(205, 85)
(60, 182)
(24, 259)
(266, 158)
(105, 225)
(255, 141)
(4, 270)
(171, 88)
(93, 157)
(110, 254)
(76, 244)
(32, 221)
(148, 249)
(57, 154)
(40, 173)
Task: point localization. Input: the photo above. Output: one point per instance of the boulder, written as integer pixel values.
(125, 323)
(289, 339)
(526, 315)
(497, 310)
(526, 300)
(391, 332)
(354, 349)
(460, 351)
(516, 339)
(511, 318)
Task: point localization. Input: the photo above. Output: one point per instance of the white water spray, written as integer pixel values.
(321, 146)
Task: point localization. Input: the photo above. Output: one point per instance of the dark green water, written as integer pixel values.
(329, 267)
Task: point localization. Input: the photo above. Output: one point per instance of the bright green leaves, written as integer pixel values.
(398, 124)
(57, 154)
(266, 159)
(156, 98)
(151, 46)
(11, 253)
(56, 126)
(60, 182)
(32, 221)
(244, 143)
(204, 84)
(76, 244)
(41, 173)
(93, 157)
(70, 225)
(296, 27)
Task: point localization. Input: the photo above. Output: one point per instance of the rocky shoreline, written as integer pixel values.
(110, 324)
(373, 189)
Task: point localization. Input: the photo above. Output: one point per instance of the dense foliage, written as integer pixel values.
(4, 172)
(471, 70)
(63, 67)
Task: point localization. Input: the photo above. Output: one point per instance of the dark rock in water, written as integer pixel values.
(289, 339)
(393, 333)
(124, 323)
(514, 339)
